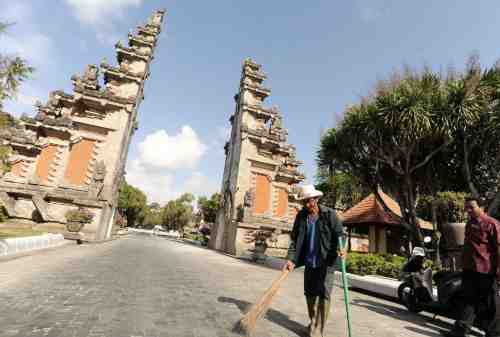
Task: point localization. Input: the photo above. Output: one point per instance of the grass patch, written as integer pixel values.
(6, 233)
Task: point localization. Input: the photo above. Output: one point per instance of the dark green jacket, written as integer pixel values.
(329, 228)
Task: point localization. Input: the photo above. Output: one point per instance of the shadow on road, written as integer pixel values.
(272, 315)
(403, 314)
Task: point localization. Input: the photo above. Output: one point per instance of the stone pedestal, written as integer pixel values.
(79, 237)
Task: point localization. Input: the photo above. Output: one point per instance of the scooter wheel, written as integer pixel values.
(406, 295)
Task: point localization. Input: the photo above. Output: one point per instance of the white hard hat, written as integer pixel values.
(418, 251)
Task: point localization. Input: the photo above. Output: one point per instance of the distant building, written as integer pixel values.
(372, 229)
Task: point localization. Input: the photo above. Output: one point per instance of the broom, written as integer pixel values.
(346, 289)
(247, 324)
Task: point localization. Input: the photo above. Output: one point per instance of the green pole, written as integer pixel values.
(346, 288)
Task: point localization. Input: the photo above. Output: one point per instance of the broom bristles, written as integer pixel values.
(247, 324)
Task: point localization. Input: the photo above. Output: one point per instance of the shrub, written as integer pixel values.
(449, 207)
(375, 264)
(379, 264)
(79, 215)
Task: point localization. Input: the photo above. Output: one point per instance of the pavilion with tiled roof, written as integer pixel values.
(385, 230)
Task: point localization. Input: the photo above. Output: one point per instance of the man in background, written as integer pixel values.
(481, 272)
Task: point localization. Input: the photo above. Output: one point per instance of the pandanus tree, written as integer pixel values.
(420, 133)
(474, 106)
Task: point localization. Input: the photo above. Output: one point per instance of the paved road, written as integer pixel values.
(150, 286)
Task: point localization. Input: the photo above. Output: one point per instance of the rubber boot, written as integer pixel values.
(323, 314)
(312, 308)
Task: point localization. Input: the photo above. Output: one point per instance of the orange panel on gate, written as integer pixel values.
(45, 159)
(79, 158)
(262, 193)
(17, 168)
(282, 208)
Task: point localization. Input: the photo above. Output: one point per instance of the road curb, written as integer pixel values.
(16, 247)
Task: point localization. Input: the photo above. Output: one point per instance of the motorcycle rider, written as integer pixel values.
(415, 267)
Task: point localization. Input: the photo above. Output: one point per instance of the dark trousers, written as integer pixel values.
(479, 303)
(318, 281)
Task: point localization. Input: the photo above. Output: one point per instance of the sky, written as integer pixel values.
(320, 56)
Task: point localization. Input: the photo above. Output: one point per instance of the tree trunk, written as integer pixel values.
(334, 187)
(435, 227)
(466, 169)
(409, 211)
(349, 236)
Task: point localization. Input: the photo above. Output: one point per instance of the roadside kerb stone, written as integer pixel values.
(13, 246)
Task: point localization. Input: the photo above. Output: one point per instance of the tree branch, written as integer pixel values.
(430, 155)
(388, 160)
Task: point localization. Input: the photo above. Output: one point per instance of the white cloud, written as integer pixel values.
(34, 47)
(25, 100)
(182, 150)
(102, 15)
(16, 12)
(100, 12)
(199, 184)
(164, 166)
(158, 186)
(24, 38)
(161, 186)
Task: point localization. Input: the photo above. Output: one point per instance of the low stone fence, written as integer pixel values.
(376, 284)
(170, 234)
(13, 246)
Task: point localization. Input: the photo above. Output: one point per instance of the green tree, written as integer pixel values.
(209, 207)
(178, 213)
(473, 102)
(422, 133)
(13, 71)
(133, 203)
(389, 139)
(152, 218)
(341, 191)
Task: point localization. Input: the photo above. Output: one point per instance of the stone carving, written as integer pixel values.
(18, 134)
(97, 183)
(155, 19)
(277, 123)
(249, 198)
(124, 66)
(90, 79)
(40, 116)
(91, 74)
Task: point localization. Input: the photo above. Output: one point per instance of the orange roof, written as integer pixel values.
(369, 210)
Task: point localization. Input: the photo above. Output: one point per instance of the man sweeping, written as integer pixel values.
(314, 243)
